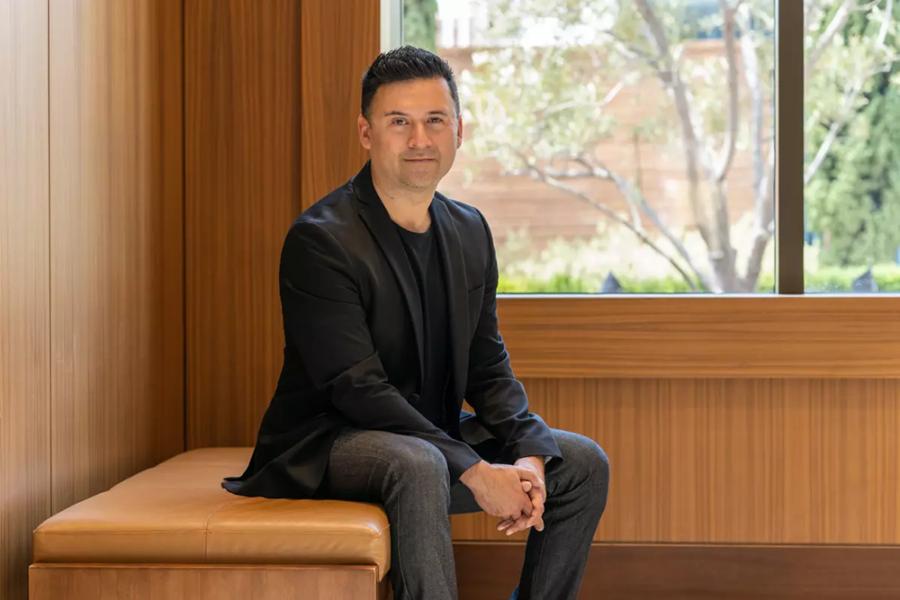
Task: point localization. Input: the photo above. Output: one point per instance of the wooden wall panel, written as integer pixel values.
(340, 41)
(734, 460)
(24, 288)
(115, 241)
(266, 86)
(242, 98)
(711, 336)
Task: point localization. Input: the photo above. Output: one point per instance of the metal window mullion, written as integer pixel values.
(789, 140)
(391, 24)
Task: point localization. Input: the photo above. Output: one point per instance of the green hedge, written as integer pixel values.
(826, 279)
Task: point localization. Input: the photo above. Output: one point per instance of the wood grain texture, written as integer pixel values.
(242, 74)
(199, 582)
(734, 460)
(262, 92)
(698, 572)
(116, 241)
(24, 288)
(664, 336)
(340, 41)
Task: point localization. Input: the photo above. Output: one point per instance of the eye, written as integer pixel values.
(398, 121)
(436, 120)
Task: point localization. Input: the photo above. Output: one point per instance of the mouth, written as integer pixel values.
(420, 159)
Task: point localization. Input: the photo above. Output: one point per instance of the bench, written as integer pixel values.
(172, 532)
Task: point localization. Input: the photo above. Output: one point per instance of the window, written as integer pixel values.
(852, 158)
(630, 146)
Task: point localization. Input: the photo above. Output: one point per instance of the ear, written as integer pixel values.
(459, 131)
(364, 130)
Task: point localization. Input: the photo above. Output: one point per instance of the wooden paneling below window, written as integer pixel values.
(767, 461)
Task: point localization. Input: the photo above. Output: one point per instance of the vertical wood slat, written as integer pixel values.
(242, 102)
(270, 129)
(768, 461)
(24, 287)
(340, 41)
(116, 241)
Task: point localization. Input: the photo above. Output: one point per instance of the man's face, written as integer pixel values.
(412, 133)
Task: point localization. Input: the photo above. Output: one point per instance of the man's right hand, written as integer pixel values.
(498, 490)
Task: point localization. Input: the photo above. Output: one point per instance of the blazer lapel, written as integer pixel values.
(457, 285)
(379, 222)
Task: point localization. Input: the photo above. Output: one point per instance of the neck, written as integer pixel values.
(407, 208)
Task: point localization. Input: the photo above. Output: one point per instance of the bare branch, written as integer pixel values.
(635, 197)
(837, 23)
(609, 97)
(851, 94)
(542, 175)
(727, 154)
(824, 149)
(764, 221)
(671, 78)
(763, 209)
(631, 49)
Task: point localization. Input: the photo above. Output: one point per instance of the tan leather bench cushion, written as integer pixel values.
(177, 512)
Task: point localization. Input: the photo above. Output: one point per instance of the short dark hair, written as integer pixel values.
(403, 64)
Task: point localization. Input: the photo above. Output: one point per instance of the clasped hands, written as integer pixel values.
(514, 493)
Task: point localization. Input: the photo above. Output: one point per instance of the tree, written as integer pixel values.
(853, 196)
(542, 110)
(419, 25)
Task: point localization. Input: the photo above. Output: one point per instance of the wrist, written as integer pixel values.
(472, 474)
(537, 461)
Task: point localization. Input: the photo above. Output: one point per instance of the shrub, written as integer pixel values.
(825, 279)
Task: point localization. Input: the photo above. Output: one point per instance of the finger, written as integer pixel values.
(504, 524)
(538, 492)
(524, 523)
(537, 489)
(529, 475)
(516, 524)
(537, 516)
(527, 486)
(519, 526)
(537, 500)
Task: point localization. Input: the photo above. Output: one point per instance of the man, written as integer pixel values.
(388, 291)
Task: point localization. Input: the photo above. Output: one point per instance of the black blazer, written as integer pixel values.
(353, 331)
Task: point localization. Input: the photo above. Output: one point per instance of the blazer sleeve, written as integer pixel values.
(325, 320)
(499, 399)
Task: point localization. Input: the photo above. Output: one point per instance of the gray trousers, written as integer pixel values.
(409, 477)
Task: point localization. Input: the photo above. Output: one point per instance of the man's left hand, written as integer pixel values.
(537, 493)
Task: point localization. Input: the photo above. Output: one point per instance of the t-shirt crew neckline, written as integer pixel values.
(419, 234)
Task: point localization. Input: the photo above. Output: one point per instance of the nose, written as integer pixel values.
(418, 138)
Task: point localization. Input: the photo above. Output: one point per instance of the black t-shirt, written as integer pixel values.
(424, 257)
